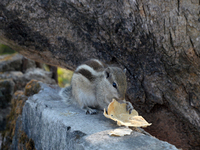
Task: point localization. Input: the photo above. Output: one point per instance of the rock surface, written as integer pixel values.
(15, 62)
(13, 132)
(6, 93)
(158, 42)
(15, 72)
(53, 124)
(21, 70)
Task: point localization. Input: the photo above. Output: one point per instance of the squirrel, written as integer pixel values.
(94, 84)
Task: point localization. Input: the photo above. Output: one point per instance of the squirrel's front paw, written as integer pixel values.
(129, 107)
(90, 111)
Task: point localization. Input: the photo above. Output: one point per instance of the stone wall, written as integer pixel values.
(45, 122)
(15, 72)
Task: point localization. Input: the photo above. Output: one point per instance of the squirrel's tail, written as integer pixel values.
(65, 93)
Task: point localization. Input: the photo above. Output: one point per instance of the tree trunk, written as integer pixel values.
(158, 42)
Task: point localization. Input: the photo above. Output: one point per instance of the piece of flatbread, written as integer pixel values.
(120, 132)
(117, 112)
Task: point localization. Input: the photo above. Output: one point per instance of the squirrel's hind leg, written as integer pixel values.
(90, 111)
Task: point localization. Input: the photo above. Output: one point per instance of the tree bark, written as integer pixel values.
(158, 42)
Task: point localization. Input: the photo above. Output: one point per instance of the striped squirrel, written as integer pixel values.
(94, 84)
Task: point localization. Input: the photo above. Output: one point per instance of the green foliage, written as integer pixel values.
(5, 50)
(64, 77)
(45, 67)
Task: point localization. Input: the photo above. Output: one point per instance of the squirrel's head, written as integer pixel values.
(117, 82)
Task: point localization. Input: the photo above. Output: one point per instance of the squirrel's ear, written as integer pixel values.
(124, 70)
(107, 72)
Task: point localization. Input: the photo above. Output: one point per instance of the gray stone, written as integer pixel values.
(17, 77)
(53, 124)
(40, 75)
(136, 141)
(6, 92)
(3, 114)
(21, 79)
(10, 62)
(16, 144)
(15, 62)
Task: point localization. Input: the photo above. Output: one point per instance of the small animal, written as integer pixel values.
(94, 84)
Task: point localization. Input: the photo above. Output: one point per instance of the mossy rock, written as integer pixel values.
(13, 121)
(32, 87)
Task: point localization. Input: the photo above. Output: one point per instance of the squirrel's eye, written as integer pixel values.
(114, 85)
